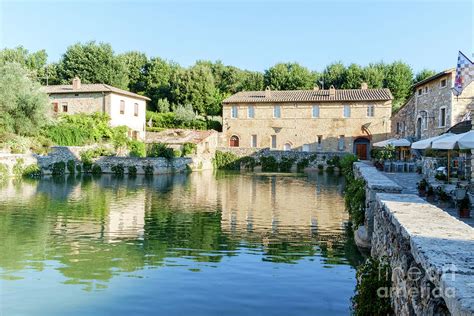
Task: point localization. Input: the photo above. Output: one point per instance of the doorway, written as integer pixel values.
(361, 148)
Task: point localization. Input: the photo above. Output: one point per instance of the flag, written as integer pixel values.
(464, 74)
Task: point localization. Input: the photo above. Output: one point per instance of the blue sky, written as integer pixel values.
(250, 34)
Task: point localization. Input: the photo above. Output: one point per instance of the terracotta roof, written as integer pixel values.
(87, 88)
(178, 136)
(438, 75)
(310, 96)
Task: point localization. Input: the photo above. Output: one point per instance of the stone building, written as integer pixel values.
(123, 107)
(308, 120)
(432, 108)
(206, 141)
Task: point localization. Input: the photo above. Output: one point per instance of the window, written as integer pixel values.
(398, 127)
(320, 140)
(251, 111)
(235, 111)
(341, 142)
(424, 119)
(55, 106)
(347, 111)
(254, 141)
(274, 141)
(443, 83)
(370, 110)
(276, 111)
(65, 107)
(305, 147)
(426, 90)
(315, 111)
(122, 107)
(135, 109)
(420, 91)
(442, 117)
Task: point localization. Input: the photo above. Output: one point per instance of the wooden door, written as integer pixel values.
(361, 151)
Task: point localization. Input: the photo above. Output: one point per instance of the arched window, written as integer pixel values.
(234, 141)
(287, 147)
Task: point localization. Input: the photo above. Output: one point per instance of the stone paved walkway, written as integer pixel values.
(408, 181)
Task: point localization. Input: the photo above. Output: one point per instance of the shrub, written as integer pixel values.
(346, 164)
(247, 163)
(119, 136)
(148, 170)
(137, 148)
(226, 161)
(96, 169)
(32, 171)
(302, 164)
(71, 166)
(18, 167)
(320, 167)
(372, 276)
(177, 153)
(355, 200)
(118, 170)
(159, 150)
(189, 149)
(3, 171)
(334, 161)
(58, 168)
(87, 156)
(87, 166)
(285, 164)
(330, 169)
(78, 168)
(269, 164)
(132, 170)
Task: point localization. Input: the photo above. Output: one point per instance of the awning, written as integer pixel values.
(396, 142)
(458, 141)
(427, 143)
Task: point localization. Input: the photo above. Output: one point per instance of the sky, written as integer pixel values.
(249, 34)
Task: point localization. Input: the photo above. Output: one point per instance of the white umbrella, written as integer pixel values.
(395, 142)
(427, 143)
(455, 141)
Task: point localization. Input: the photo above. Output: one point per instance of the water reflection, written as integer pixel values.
(93, 229)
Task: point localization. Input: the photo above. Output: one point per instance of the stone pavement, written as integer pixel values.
(408, 181)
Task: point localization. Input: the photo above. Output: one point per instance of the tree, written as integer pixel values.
(163, 106)
(135, 63)
(374, 75)
(251, 81)
(22, 104)
(157, 80)
(289, 76)
(334, 75)
(93, 63)
(423, 74)
(352, 77)
(398, 78)
(35, 62)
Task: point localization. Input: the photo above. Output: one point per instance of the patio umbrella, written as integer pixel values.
(395, 142)
(427, 143)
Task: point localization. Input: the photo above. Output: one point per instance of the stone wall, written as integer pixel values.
(431, 255)
(375, 182)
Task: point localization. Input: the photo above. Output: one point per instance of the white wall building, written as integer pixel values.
(123, 107)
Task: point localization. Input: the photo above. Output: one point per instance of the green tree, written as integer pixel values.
(157, 80)
(352, 77)
(23, 105)
(398, 78)
(334, 75)
(252, 81)
(289, 76)
(135, 63)
(374, 75)
(163, 106)
(93, 63)
(423, 74)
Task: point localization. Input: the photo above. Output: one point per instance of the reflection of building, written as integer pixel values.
(308, 120)
(126, 217)
(123, 107)
(433, 109)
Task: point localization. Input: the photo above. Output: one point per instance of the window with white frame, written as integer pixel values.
(276, 111)
(135, 109)
(442, 117)
(254, 141)
(315, 112)
(235, 111)
(251, 111)
(443, 83)
(347, 111)
(341, 142)
(370, 110)
(122, 107)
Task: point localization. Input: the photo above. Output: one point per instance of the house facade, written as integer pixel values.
(308, 120)
(123, 107)
(433, 109)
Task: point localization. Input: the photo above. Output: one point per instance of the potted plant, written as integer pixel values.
(464, 207)
(430, 194)
(422, 187)
(443, 198)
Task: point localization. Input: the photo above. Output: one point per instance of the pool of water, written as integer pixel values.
(202, 244)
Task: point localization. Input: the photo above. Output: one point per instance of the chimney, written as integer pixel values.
(332, 91)
(76, 83)
(363, 86)
(268, 92)
(316, 87)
